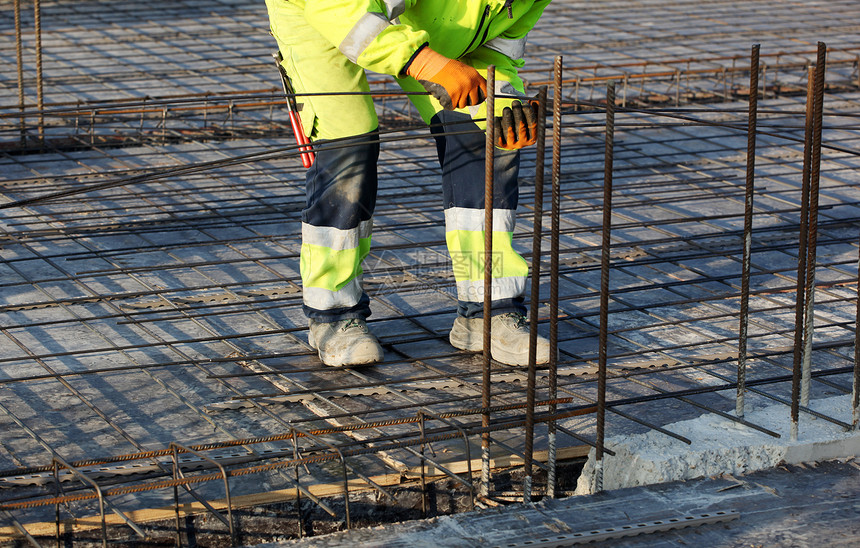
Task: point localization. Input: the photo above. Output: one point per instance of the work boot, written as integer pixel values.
(343, 343)
(509, 338)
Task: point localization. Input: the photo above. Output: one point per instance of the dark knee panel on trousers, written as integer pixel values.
(342, 182)
(462, 159)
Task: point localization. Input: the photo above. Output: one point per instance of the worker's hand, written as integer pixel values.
(454, 84)
(517, 126)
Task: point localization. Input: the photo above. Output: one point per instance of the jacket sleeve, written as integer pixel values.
(364, 31)
(512, 42)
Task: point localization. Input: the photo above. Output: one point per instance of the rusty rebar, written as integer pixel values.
(809, 225)
(291, 435)
(801, 257)
(176, 514)
(606, 234)
(279, 464)
(343, 468)
(855, 393)
(40, 97)
(743, 322)
(422, 434)
(19, 57)
(489, 173)
(177, 473)
(812, 244)
(57, 493)
(99, 493)
(467, 451)
(298, 505)
(555, 212)
(534, 298)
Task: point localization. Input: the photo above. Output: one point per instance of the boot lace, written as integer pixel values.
(351, 324)
(519, 320)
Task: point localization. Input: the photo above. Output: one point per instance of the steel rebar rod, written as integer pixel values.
(19, 57)
(800, 386)
(800, 308)
(177, 473)
(489, 173)
(40, 98)
(21, 529)
(534, 298)
(811, 249)
(743, 320)
(606, 237)
(555, 213)
(855, 393)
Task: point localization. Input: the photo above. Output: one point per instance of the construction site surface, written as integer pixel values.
(156, 381)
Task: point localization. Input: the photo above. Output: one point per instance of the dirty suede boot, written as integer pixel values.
(343, 343)
(509, 334)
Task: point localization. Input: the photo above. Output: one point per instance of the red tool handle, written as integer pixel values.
(302, 140)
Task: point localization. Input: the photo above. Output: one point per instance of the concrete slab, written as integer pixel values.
(721, 446)
(793, 505)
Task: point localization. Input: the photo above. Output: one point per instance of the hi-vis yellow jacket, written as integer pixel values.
(383, 35)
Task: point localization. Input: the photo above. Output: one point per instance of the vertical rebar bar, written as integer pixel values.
(801, 258)
(811, 248)
(748, 219)
(56, 474)
(466, 448)
(555, 209)
(19, 56)
(40, 98)
(604, 278)
(855, 395)
(423, 465)
(624, 93)
(732, 72)
(857, 61)
(229, 521)
(815, 95)
(677, 87)
(296, 456)
(534, 302)
(175, 463)
(86, 480)
(489, 172)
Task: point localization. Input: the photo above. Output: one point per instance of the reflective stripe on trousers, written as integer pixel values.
(462, 160)
(336, 227)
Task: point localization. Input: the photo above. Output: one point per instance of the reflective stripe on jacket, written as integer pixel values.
(383, 35)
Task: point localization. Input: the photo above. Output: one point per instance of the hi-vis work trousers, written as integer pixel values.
(341, 185)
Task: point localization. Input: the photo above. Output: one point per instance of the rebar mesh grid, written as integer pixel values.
(163, 307)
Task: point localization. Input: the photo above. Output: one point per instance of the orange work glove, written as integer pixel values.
(517, 126)
(454, 84)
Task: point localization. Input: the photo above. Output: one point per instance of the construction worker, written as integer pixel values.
(440, 46)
